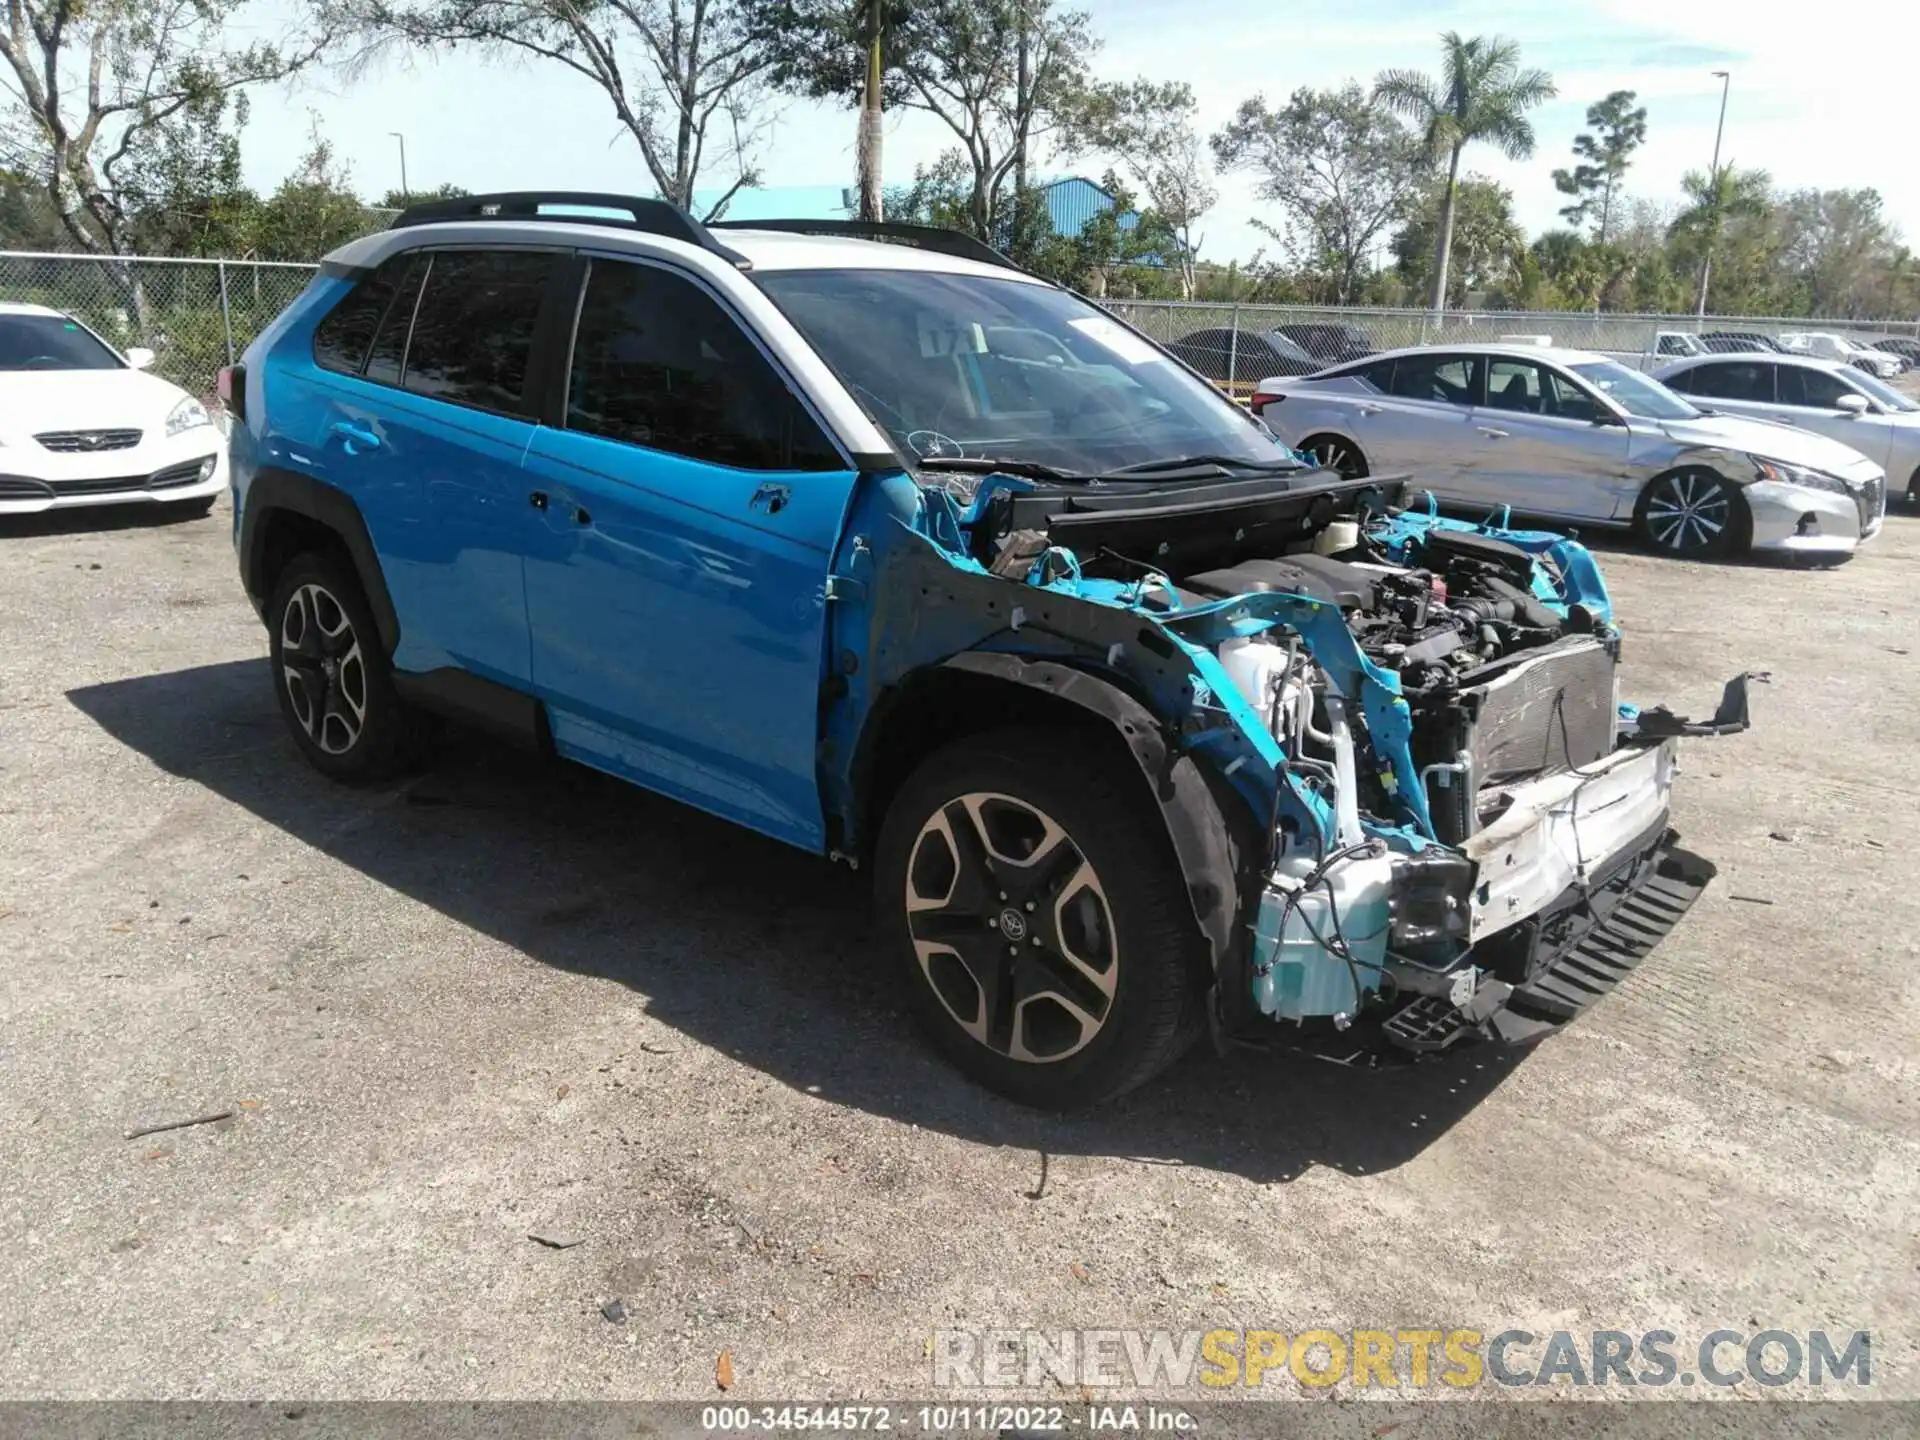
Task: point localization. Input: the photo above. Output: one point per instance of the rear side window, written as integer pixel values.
(389, 350)
(473, 328)
(1734, 380)
(340, 341)
(657, 362)
(1449, 379)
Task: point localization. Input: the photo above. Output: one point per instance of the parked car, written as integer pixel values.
(1576, 436)
(1665, 347)
(1908, 350)
(1330, 344)
(1824, 396)
(83, 424)
(1737, 341)
(797, 529)
(1825, 345)
(1235, 361)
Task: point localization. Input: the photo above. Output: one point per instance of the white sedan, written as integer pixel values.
(82, 424)
(1825, 345)
(1827, 397)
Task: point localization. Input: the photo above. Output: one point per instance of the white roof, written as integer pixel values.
(1796, 358)
(14, 307)
(769, 250)
(1560, 355)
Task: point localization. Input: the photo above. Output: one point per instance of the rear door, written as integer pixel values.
(1420, 426)
(428, 434)
(690, 503)
(1539, 449)
(1735, 387)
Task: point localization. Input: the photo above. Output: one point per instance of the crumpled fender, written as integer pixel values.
(1195, 819)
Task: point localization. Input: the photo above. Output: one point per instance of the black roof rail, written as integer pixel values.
(956, 243)
(633, 212)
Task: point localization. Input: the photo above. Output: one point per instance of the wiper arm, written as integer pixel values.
(1195, 462)
(987, 465)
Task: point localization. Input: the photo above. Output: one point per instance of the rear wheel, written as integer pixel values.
(331, 677)
(1039, 920)
(1913, 488)
(1693, 514)
(1335, 452)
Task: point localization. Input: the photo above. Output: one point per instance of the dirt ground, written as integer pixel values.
(498, 1000)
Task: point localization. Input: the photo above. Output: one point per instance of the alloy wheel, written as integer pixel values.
(1012, 927)
(1339, 456)
(1688, 513)
(322, 666)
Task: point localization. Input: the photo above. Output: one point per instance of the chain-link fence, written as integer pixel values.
(195, 315)
(198, 314)
(1239, 345)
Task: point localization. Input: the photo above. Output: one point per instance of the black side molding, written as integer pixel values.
(483, 704)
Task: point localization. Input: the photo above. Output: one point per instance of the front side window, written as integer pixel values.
(473, 328)
(923, 352)
(1449, 379)
(1735, 380)
(51, 342)
(1812, 389)
(657, 362)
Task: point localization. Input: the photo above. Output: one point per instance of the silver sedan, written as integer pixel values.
(1574, 436)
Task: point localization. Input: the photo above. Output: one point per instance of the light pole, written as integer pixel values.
(406, 195)
(1713, 191)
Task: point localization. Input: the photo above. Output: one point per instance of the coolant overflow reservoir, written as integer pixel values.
(1295, 976)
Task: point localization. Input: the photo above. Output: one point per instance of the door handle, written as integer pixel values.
(538, 499)
(771, 498)
(353, 434)
(1370, 409)
(1492, 434)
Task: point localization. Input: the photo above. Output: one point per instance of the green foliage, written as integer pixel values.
(1605, 153)
(1341, 168)
(1487, 241)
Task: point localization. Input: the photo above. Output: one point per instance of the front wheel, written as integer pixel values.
(1692, 514)
(1039, 918)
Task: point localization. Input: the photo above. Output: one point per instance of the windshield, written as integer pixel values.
(1891, 398)
(969, 366)
(51, 342)
(1637, 394)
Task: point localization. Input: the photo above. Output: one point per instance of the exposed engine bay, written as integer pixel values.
(1421, 713)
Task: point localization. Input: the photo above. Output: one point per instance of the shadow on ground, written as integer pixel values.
(744, 944)
(100, 519)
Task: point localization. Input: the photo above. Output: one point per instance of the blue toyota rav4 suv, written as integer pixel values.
(864, 538)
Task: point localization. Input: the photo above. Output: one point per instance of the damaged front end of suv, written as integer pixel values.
(1408, 804)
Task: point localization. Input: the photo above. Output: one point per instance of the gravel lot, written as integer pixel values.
(502, 999)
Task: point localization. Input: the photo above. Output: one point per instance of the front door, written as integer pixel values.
(1810, 398)
(1538, 446)
(676, 592)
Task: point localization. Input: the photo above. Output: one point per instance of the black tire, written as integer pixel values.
(332, 678)
(1692, 515)
(1094, 924)
(1913, 488)
(1336, 452)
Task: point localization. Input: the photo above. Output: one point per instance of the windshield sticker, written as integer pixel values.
(942, 335)
(1121, 341)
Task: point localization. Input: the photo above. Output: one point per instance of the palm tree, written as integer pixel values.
(1482, 94)
(1712, 200)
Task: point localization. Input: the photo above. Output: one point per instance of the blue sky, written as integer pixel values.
(1813, 103)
